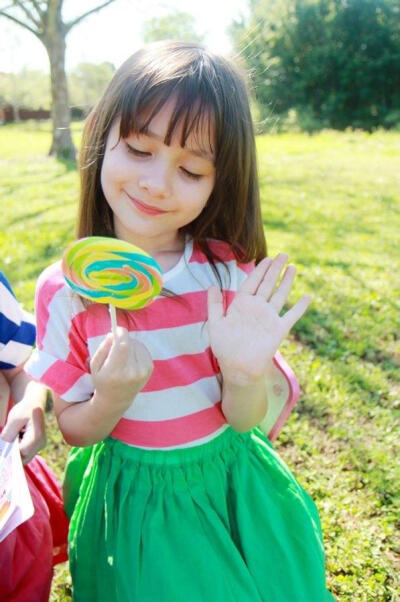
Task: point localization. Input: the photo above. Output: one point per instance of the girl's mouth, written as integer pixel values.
(149, 209)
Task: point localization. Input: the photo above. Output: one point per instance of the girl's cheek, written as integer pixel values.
(115, 167)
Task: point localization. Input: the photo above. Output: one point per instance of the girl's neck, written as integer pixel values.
(165, 250)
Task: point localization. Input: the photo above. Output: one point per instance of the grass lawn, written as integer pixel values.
(332, 201)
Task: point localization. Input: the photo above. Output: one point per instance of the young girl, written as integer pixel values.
(183, 499)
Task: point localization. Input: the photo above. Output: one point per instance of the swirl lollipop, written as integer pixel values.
(109, 270)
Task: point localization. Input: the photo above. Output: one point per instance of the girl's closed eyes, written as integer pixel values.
(144, 154)
(136, 151)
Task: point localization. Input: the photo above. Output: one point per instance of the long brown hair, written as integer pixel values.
(209, 90)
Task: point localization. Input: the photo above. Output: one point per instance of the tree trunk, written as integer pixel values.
(15, 109)
(62, 145)
(43, 18)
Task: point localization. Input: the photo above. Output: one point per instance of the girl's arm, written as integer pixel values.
(120, 368)
(245, 404)
(246, 338)
(26, 417)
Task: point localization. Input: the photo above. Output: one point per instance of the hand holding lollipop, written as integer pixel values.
(113, 271)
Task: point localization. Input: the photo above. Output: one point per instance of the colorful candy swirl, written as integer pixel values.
(109, 270)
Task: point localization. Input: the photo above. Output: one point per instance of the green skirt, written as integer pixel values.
(223, 522)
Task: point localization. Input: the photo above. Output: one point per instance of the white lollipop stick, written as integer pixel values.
(113, 316)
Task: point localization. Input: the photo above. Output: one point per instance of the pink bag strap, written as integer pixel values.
(283, 393)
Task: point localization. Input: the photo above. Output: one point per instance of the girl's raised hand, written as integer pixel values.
(120, 368)
(246, 338)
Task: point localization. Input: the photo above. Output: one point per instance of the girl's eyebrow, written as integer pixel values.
(203, 154)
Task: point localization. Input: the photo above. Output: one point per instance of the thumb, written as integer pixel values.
(215, 304)
(12, 428)
(34, 437)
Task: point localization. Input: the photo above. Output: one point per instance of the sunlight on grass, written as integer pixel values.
(332, 201)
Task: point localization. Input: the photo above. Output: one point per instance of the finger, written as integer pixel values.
(281, 294)
(270, 279)
(101, 354)
(296, 312)
(215, 303)
(13, 428)
(143, 359)
(121, 334)
(34, 438)
(122, 350)
(253, 280)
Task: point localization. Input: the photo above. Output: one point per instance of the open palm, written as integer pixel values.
(245, 339)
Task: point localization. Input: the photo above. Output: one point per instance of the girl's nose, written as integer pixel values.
(156, 181)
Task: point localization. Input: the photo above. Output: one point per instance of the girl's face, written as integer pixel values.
(154, 189)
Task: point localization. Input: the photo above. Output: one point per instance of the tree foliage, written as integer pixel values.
(335, 61)
(87, 83)
(175, 26)
(28, 89)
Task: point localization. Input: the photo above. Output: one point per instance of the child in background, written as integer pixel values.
(184, 498)
(28, 553)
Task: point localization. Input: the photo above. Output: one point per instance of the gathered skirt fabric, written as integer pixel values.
(225, 521)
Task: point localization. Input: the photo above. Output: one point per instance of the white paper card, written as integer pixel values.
(15, 500)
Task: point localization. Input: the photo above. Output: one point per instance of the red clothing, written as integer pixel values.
(26, 558)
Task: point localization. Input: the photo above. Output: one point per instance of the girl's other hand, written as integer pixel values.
(26, 420)
(26, 417)
(246, 338)
(120, 368)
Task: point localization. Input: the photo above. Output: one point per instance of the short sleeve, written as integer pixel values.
(17, 329)
(61, 358)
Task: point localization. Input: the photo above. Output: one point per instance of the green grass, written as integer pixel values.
(332, 201)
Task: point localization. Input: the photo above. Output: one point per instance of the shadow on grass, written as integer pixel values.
(46, 252)
(360, 441)
(70, 165)
(324, 334)
(390, 203)
(35, 214)
(271, 224)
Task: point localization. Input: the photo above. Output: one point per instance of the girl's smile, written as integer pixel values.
(155, 189)
(144, 207)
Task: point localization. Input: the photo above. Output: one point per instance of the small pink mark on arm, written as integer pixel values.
(277, 389)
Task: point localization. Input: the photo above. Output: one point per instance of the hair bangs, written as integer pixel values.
(194, 114)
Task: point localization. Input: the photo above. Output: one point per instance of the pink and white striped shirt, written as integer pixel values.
(180, 405)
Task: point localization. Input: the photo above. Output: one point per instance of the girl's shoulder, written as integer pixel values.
(50, 281)
(51, 276)
(7, 297)
(54, 295)
(12, 314)
(17, 329)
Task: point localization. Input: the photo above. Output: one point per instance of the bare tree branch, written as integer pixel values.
(28, 14)
(39, 11)
(21, 23)
(7, 7)
(89, 12)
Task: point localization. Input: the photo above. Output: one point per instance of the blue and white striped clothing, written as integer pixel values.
(17, 329)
